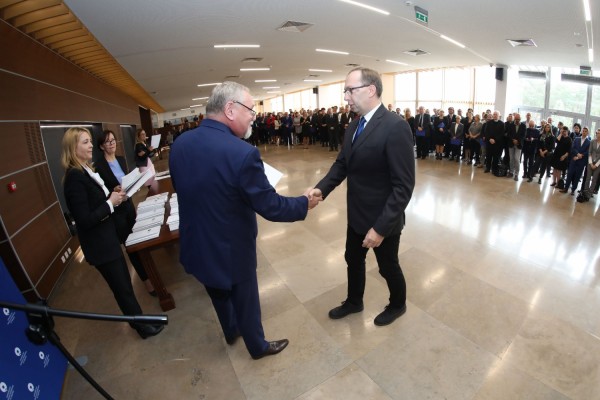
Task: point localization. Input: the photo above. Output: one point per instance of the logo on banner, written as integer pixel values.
(21, 354)
(3, 387)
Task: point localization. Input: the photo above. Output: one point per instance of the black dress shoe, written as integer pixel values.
(145, 331)
(275, 347)
(345, 309)
(389, 315)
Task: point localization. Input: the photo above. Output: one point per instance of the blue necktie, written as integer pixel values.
(361, 126)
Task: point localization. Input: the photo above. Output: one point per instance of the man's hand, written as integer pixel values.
(373, 239)
(314, 197)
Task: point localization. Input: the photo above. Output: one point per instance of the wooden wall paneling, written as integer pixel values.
(47, 282)
(22, 146)
(14, 267)
(37, 243)
(34, 194)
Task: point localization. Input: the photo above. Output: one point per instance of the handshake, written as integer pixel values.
(314, 196)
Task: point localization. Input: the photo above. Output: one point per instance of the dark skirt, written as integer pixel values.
(556, 162)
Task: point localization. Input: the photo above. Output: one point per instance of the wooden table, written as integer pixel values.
(165, 238)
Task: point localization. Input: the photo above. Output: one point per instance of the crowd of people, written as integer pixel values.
(498, 146)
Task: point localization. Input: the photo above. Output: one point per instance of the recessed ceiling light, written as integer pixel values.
(453, 41)
(196, 105)
(396, 62)
(313, 80)
(320, 70)
(271, 87)
(200, 98)
(368, 7)
(274, 92)
(255, 69)
(591, 55)
(183, 109)
(586, 10)
(227, 46)
(209, 84)
(265, 80)
(332, 51)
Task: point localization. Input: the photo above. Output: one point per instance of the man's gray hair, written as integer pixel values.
(222, 94)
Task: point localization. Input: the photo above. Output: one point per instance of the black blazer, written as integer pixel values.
(426, 124)
(95, 226)
(125, 214)
(380, 168)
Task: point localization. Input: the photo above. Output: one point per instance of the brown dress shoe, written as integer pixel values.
(275, 347)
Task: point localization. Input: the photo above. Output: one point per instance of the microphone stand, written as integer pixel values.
(41, 329)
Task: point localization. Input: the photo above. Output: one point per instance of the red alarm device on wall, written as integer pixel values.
(12, 187)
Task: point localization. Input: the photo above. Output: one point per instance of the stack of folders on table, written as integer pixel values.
(162, 175)
(150, 217)
(173, 220)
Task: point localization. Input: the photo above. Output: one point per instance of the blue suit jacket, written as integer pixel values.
(221, 185)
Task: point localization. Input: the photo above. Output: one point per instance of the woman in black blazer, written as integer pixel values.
(112, 169)
(143, 156)
(92, 206)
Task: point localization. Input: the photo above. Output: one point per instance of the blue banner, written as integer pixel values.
(27, 371)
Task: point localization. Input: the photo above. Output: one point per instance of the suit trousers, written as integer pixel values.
(515, 160)
(592, 176)
(389, 268)
(422, 146)
(238, 310)
(116, 274)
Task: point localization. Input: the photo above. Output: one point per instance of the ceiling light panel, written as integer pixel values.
(345, 53)
(368, 7)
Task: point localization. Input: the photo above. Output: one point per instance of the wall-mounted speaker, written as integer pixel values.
(499, 73)
(316, 90)
(262, 103)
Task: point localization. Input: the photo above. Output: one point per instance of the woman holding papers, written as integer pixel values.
(92, 206)
(143, 156)
(112, 169)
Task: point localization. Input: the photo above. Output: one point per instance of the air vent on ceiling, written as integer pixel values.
(351, 65)
(521, 42)
(416, 52)
(229, 77)
(313, 76)
(293, 26)
(252, 60)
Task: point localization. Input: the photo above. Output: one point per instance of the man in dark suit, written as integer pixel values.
(456, 136)
(377, 159)
(422, 133)
(448, 120)
(345, 120)
(332, 122)
(494, 136)
(221, 185)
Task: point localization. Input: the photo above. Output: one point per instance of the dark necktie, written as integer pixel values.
(361, 126)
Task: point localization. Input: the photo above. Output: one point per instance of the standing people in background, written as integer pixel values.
(345, 120)
(467, 121)
(331, 120)
(221, 185)
(377, 162)
(494, 135)
(421, 127)
(530, 145)
(560, 160)
(544, 153)
(439, 134)
(92, 205)
(448, 120)
(297, 122)
(143, 157)
(112, 169)
(305, 121)
(515, 136)
(579, 156)
(475, 134)
(456, 136)
(593, 170)
(411, 122)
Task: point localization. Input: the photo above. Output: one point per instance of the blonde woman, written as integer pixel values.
(92, 206)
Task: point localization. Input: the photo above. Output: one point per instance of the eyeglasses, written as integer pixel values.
(109, 142)
(245, 106)
(351, 89)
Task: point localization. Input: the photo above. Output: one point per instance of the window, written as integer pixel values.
(405, 91)
(308, 99)
(274, 105)
(331, 95)
(485, 89)
(430, 87)
(530, 92)
(595, 101)
(567, 96)
(458, 88)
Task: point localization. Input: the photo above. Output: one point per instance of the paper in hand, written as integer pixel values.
(273, 175)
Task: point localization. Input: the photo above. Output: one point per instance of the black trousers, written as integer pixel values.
(116, 274)
(493, 152)
(422, 146)
(389, 268)
(238, 310)
(333, 139)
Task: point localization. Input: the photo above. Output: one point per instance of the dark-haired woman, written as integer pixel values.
(144, 154)
(112, 169)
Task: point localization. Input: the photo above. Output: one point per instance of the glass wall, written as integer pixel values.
(331, 95)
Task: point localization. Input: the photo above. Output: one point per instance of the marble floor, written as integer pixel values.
(503, 295)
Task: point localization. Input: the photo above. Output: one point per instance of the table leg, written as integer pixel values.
(165, 298)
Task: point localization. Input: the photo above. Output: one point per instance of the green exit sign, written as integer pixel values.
(421, 15)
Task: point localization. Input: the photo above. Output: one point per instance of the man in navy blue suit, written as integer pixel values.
(221, 184)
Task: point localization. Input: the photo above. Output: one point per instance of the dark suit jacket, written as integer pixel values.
(95, 226)
(124, 214)
(426, 124)
(221, 184)
(344, 120)
(456, 133)
(380, 169)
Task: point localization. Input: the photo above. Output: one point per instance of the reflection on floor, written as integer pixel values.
(503, 298)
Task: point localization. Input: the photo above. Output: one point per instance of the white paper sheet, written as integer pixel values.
(155, 141)
(273, 175)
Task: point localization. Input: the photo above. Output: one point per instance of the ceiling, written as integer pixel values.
(167, 45)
